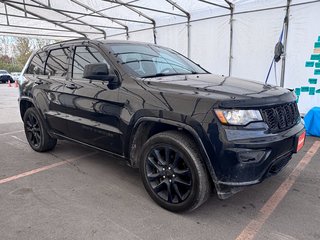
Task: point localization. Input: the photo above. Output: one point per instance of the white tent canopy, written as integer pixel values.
(228, 37)
(100, 18)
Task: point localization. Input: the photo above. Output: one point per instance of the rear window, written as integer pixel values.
(37, 64)
(58, 62)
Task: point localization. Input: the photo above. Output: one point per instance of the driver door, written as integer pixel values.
(93, 107)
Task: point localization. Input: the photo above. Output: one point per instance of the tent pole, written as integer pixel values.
(231, 7)
(285, 42)
(69, 16)
(153, 22)
(45, 19)
(24, 6)
(6, 10)
(101, 14)
(214, 4)
(189, 38)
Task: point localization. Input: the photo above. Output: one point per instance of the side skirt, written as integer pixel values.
(60, 136)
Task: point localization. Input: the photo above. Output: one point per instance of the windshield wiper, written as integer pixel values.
(168, 74)
(162, 75)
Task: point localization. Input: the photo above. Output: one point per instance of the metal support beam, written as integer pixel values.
(125, 27)
(214, 4)
(140, 14)
(36, 34)
(43, 18)
(76, 13)
(285, 43)
(69, 16)
(149, 9)
(231, 7)
(187, 14)
(101, 10)
(24, 6)
(40, 28)
(6, 11)
(61, 22)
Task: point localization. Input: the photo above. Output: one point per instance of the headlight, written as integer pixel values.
(238, 117)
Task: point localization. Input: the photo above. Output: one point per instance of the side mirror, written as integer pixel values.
(97, 71)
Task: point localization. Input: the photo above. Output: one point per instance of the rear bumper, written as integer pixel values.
(243, 162)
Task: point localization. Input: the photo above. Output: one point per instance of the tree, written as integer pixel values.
(39, 43)
(23, 50)
(15, 51)
(5, 45)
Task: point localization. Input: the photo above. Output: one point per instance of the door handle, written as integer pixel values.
(71, 86)
(38, 82)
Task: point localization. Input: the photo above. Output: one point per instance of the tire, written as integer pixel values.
(173, 172)
(36, 132)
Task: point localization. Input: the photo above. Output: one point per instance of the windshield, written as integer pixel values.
(3, 72)
(153, 61)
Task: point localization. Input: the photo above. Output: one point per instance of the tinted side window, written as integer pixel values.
(37, 64)
(57, 63)
(82, 57)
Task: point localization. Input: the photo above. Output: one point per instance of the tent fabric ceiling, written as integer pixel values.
(101, 18)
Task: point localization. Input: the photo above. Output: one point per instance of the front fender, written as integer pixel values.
(195, 129)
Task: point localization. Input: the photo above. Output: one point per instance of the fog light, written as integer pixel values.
(251, 156)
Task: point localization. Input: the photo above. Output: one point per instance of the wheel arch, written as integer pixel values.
(24, 104)
(147, 125)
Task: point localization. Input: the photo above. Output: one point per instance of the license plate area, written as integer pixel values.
(300, 139)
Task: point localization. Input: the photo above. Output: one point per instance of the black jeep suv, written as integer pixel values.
(187, 130)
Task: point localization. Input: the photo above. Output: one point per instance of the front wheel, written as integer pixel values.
(173, 173)
(36, 132)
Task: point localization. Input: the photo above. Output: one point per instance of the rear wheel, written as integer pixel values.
(173, 172)
(36, 132)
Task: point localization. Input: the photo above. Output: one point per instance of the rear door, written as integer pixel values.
(46, 76)
(93, 106)
(56, 70)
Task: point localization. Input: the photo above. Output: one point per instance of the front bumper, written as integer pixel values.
(247, 156)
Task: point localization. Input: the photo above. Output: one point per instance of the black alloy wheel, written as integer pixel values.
(36, 132)
(168, 174)
(33, 131)
(173, 172)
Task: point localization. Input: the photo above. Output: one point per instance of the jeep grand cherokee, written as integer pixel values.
(188, 131)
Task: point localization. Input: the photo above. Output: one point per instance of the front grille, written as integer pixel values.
(281, 117)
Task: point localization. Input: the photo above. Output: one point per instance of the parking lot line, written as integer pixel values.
(4, 134)
(34, 171)
(19, 139)
(250, 231)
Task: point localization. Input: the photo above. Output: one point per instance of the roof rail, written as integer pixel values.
(61, 43)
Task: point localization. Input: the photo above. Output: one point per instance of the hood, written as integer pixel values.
(227, 90)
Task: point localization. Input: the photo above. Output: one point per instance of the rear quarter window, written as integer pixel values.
(37, 64)
(58, 62)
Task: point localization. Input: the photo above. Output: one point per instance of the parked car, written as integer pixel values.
(188, 131)
(5, 76)
(15, 76)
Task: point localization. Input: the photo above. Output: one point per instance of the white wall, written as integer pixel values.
(304, 31)
(174, 37)
(210, 41)
(255, 35)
